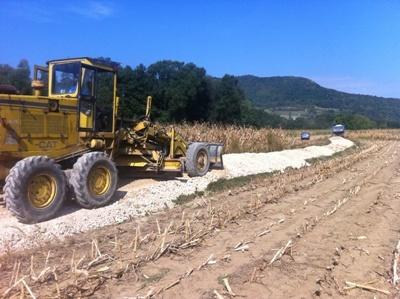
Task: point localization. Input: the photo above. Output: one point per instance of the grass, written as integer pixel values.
(347, 151)
(183, 198)
(227, 184)
(223, 185)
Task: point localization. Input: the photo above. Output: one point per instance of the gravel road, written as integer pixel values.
(140, 197)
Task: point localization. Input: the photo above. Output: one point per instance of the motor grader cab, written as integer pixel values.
(67, 136)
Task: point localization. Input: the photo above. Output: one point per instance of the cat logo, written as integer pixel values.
(47, 144)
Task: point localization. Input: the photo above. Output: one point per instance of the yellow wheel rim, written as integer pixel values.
(99, 180)
(42, 189)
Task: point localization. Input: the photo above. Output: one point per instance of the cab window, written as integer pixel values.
(65, 78)
(87, 87)
(104, 100)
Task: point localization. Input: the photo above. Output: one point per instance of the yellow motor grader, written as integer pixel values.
(72, 138)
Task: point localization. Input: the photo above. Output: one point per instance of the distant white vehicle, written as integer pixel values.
(338, 130)
(305, 135)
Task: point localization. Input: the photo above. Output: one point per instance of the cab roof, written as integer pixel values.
(97, 62)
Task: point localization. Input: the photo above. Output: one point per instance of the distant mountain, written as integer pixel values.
(302, 97)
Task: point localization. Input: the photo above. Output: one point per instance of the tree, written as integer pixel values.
(355, 121)
(20, 77)
(134, 86)
(5, 73)
(181, 91)
(226, 106)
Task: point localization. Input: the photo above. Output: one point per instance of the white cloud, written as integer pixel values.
(92, 9)
(43, 11)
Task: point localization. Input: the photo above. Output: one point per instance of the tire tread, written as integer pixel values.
(13, 188)
(78, 178)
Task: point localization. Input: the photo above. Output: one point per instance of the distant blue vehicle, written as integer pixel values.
(338, 130)
(305, 135)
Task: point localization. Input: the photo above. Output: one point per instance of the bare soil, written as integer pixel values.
(339, 218)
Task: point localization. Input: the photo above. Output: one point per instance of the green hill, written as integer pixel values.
(304, 98)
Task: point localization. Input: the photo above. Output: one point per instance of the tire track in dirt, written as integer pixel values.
(318, 255)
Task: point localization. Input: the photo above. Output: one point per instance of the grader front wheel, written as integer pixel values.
(94, 180)
(35, 189)
(42, 190)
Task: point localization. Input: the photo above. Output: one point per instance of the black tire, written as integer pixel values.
(197, 159)
(81, 175)
(19, 189)
(69, 190)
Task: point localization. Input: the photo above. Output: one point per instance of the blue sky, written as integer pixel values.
(347, 45)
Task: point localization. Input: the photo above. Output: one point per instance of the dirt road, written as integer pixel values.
(300, 234)
(138, 197)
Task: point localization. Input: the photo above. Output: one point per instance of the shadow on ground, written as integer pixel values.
(125, 176)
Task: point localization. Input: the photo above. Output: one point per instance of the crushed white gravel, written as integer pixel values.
(155, 195)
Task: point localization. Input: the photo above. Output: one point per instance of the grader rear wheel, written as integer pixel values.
(35, 189)
(197, 159)
(99, 180)
(94, 180)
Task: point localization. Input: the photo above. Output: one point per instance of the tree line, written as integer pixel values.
(18, 77)
(185, 92)
(181, 92)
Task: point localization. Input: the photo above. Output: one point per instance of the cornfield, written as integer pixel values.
(239, 139)
(247, 139)
(381, 134)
